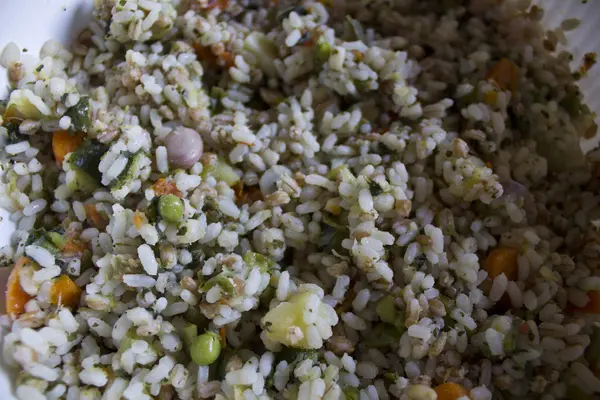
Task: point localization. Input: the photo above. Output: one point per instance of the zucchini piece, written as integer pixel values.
(87, 158)
(40, 237)
(128, 174)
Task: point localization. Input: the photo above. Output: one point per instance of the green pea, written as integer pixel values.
(386, 309)
(170, 207)
(206, 348)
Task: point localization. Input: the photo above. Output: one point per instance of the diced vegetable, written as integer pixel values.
(129, 173)
(84, 161)
(24, 104)
(162, 187)
(42, 238)
(65, 292)
(190, 331)
(593, 305)
(223, 336)
(73, 247)
(170, 207)
(287, 323)
(64, 142)
(12, 131)
(138, 219)
(206, 348)
(502, 260)
(506, 75)
(98, 220)
(80, 115)
(16, 297)
(223, 280)
(246, 194)
(220, 170)
(264, 50)
(386, 309)
(57, 239)
(450, 391)
(257, 260)
(351, 393)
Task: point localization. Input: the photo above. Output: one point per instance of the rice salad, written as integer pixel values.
(247, 199)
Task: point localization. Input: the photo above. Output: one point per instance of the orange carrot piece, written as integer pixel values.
(163, 186)
(593, 304)
(63, 143)
(97, 219)
(502, 259)
(73, 247)
(450, 391)
(65, 292)
(16, 297)
(506, 75)
(223, 336)
(138, 219)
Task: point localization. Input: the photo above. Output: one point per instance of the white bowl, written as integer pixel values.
(62, 20)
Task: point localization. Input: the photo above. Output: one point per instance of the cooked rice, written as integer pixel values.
(347, 172)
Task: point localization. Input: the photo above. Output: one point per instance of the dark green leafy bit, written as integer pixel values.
(375, 189)
(12, 130)
(257, 260)
(80, 115)
(87, 158)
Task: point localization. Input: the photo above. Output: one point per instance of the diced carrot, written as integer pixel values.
(502, 260)
(97, 219)
(450, 391)
(16, 297)
(223, 58)
(138, 219)
(65, 292)
(223, 336)
(64, 142)
(220, 4)
(593, 304)
(246, 194)
(506, 75)
(205, 53)
(163, 186)
(73, 247)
